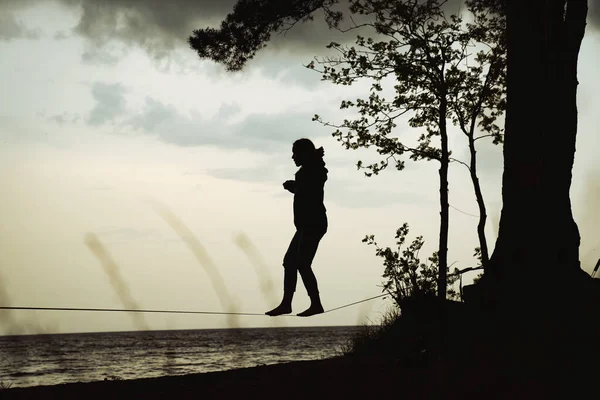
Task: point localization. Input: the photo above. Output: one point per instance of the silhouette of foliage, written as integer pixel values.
(424, 57)
(249, 27)
(405, 275)
(369, 339)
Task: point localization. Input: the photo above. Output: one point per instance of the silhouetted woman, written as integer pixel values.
(310, 219)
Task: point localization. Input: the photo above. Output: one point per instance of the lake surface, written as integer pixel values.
(83, 357)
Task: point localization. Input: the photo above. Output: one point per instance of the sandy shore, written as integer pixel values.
(297, 380)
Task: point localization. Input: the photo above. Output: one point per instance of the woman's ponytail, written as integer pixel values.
(320, 152)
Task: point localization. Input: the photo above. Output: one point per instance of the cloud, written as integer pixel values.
(108, 55)
(171, 126)
(161, 27)
(594, 13)
(64, 118)
(110, 103)
(156, 26)
(61, 35)
(255, 132)
(11, 28)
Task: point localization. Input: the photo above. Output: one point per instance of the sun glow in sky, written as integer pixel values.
(105, 112)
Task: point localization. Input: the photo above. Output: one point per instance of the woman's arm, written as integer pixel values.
(290, 186)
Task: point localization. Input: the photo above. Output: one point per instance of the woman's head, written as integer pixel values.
(304, 150)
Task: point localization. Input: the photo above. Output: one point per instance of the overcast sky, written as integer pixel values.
(117, 144)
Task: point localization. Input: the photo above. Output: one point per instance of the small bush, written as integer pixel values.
(410, 331)
(370, 339)
(405, 275)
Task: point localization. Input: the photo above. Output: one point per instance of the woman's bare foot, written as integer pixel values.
(312, 310)
(280, 310)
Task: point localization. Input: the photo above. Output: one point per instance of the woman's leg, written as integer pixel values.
(307, 248)
(290, 278)
(290, 266)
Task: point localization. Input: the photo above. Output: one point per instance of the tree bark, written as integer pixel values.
(480, 203)
(538, 237)
(444, 206)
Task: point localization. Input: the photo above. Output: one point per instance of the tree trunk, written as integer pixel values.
(480, 203)
(444, 207)
(544, 307)
(538, 237)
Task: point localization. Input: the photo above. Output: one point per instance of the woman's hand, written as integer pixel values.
(290, 186)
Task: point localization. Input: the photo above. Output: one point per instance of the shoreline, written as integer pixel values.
(529, 356)
(151, 331)
(266, 381)
(337, 377)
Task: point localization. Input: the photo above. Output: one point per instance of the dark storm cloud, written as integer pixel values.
(160, 26)
(11, 28)
(157, 26)
(106, 55)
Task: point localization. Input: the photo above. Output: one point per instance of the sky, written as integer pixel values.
(136, 175)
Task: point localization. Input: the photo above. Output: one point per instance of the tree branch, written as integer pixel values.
(483, 136)
(460, 162)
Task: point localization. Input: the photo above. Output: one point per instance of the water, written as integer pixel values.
(64, 358)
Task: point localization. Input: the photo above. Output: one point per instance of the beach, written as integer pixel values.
(339, 377)
(336, 377)
(302, 379)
